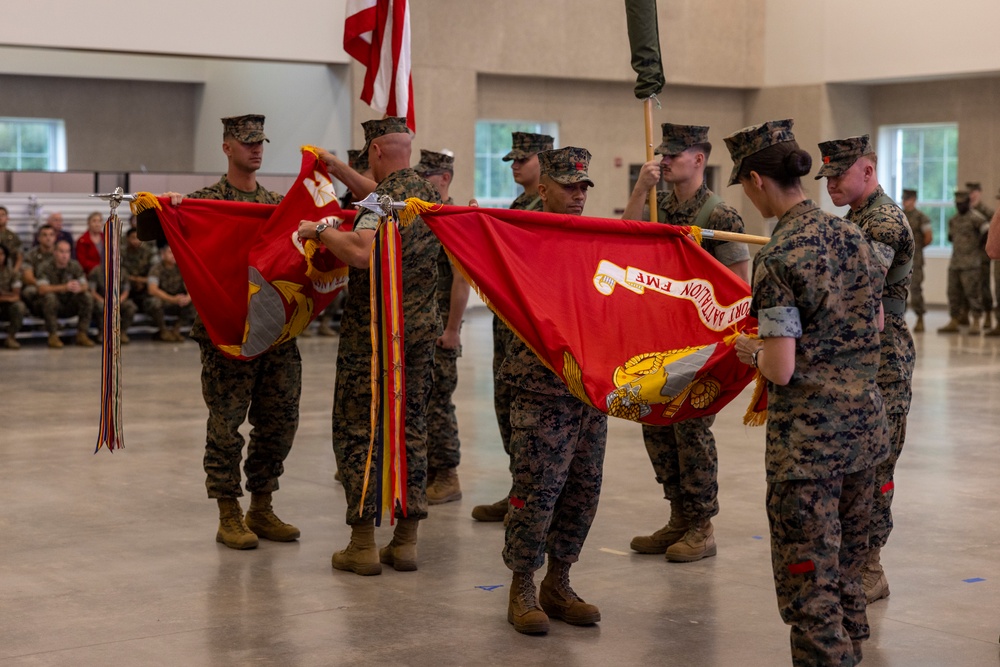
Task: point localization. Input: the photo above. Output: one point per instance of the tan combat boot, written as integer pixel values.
(11, 343)
(262, 520)
(361, 555)
(523, 611)
(83, 340)
(951, 327)
(658, 542)
(491, 513)
(987, 320)
(698, 542)
(233, 531)
(873, 577)
(974, 329)
(401, 552)
(919, 326)
(445, 488)
(54, 341)
(176, 335)
(560, 601)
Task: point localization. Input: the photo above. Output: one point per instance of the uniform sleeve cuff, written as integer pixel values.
(779, 322)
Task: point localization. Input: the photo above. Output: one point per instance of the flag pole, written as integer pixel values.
(647, 106)
(717, 235)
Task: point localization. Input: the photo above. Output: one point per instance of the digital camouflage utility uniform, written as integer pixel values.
(443, 445)
(266, 389)
(127, 308)
(502, 335)
(169, 279)
(53, 305)
(683, 455)
(557, 441)
(919, 222)
(422, 326)
(966, 232)
(889, 232)
(818, 280)
(12, 312)
(984, 275)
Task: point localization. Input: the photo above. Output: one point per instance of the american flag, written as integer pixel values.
(377, 34)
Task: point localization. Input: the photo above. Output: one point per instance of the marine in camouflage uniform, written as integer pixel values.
(920, 226)
(10, 240)
(127, 308)
(966, 230)
(137, 261)
(12, 309)
(525, 146)
(975, 191)
(443, 444)
(63, 292)
(557, 443)
(817, 281)
(390, 149)
(684, 455)
(265, 389)
(887, 229)
(166, 277)
(33, 260)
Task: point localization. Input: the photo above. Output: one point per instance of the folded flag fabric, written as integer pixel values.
(636, 318)
(254, 284)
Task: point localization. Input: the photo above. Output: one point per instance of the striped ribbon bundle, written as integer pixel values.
(387, 448)
(110, 431)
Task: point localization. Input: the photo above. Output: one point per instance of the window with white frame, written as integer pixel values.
(32, 144)
(495, 186)
(922, 158)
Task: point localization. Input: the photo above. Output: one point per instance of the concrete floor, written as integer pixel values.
(110, 559)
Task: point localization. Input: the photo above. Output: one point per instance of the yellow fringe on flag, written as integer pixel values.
(753, 416)
(696, 233)
(414, 207)
(143, 202)
(309, 149)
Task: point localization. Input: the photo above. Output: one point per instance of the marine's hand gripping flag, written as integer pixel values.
(636, 318)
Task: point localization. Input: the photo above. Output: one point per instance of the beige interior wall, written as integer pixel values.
(111, 125)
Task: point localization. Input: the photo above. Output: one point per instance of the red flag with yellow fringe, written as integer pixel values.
(636, 318)
(254, 284)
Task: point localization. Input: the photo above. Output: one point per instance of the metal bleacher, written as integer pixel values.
(31, 196)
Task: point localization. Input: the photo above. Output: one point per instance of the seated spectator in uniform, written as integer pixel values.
(55, 221)
(33, 260)
(90, 246)
(11, 240)
(127, 307)
(138, 259)
(63, 292)
(169, 297)
(12, 309)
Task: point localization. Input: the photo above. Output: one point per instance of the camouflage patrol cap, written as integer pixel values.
(526, 144)
(357, 160)
(961, 195)
(909, 194)
(840, 154)
(679, 138)
(247, 129)
(566, 166)
(974, 185)
(432, 162)
(381, 127)
(754, 139)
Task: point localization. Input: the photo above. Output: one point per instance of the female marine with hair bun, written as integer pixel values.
(817, 288)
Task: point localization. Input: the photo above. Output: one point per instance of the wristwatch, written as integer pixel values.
(320, 228)
(753, 357)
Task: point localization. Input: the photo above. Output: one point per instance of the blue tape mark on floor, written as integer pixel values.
(973, 580)
(757, 537)
(490, 588)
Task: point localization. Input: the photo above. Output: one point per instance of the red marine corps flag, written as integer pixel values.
(254, 284)
(636, 318)
(377, 35)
